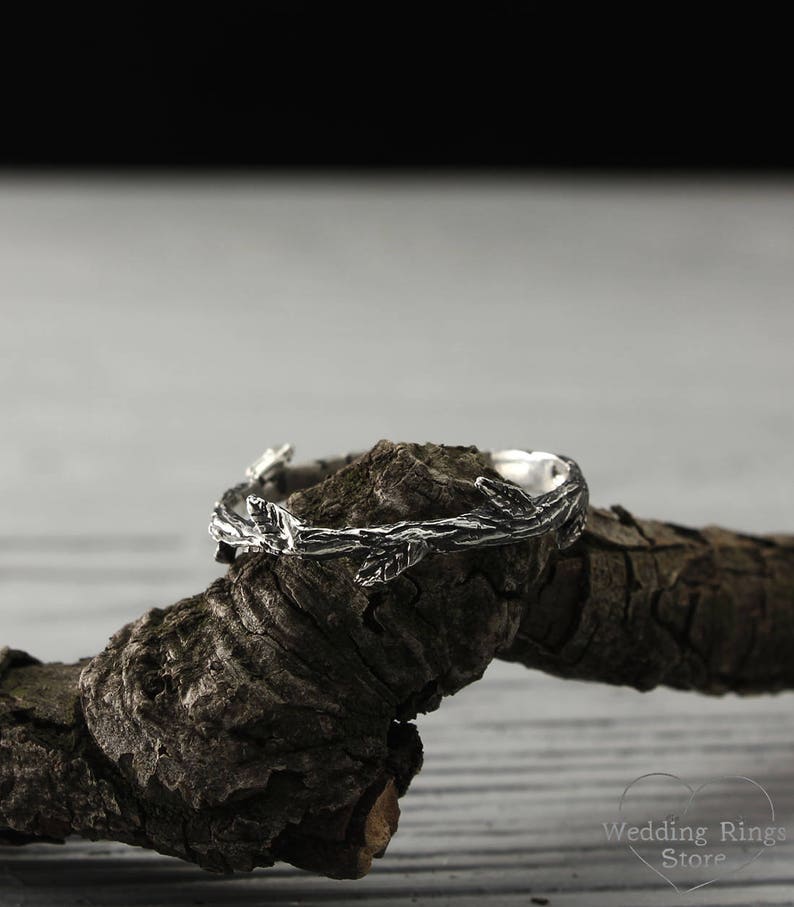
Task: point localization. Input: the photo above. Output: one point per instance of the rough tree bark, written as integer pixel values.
(642, 603)
(269, 718)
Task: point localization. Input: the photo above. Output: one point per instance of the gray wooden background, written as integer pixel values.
(156, 334)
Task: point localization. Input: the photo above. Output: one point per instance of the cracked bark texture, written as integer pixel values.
(270, 716)
(642, 603)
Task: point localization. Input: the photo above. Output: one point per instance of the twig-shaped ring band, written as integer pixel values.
(541, 492)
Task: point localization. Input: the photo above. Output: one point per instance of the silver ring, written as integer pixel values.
(543, 492)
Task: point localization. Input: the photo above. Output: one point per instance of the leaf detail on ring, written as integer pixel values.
(276, 524)
(505, 497)
(382, 565)
(226, 525)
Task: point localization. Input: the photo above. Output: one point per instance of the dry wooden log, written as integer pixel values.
(269, 718)
(642, 603)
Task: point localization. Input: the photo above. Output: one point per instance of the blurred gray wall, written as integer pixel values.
(157, 334)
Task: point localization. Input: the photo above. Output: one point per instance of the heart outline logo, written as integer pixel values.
(693, 792)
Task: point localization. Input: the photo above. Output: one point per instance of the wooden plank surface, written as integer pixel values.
(155, 335)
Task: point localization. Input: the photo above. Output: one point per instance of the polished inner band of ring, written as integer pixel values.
(273, 478)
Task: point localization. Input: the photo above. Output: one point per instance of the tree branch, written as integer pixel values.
(269, 718)
(641, 603)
